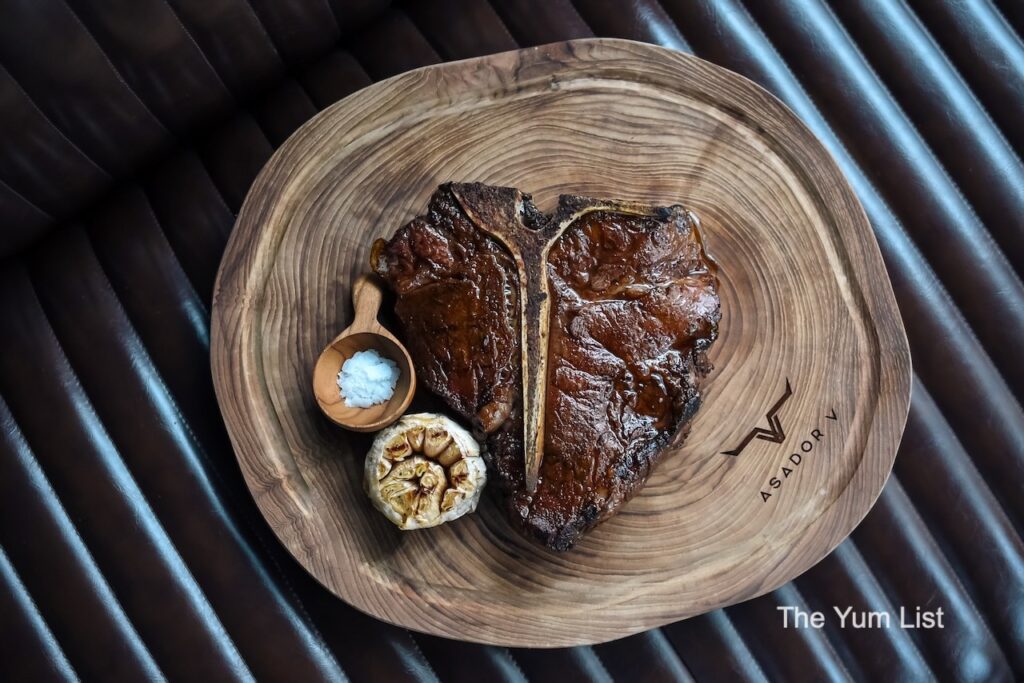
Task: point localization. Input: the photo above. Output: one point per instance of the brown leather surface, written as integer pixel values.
(130, 131)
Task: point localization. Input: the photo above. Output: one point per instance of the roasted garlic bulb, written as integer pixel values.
(423, 471)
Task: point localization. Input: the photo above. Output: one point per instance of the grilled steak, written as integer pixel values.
(603, 312)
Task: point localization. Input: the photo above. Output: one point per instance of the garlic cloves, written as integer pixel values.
(423, 471)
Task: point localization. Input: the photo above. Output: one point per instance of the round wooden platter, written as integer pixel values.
(802, 415)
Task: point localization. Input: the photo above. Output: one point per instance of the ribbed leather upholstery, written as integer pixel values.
(130, 131)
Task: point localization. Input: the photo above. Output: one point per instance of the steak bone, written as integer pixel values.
(506, 215)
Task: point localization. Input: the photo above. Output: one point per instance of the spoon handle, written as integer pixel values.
(366, 299)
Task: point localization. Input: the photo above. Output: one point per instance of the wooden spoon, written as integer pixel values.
(364, 333)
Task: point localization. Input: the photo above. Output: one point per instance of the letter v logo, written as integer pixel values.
(774, 433)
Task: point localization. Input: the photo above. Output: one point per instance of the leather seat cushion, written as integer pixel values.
(129, 546)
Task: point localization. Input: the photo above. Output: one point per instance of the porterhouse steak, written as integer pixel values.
(575, 343)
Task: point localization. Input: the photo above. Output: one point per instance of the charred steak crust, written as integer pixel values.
(633, 310)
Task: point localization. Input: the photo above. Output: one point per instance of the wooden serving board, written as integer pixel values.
(801, 418)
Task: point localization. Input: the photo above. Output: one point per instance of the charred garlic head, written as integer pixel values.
(423, 471)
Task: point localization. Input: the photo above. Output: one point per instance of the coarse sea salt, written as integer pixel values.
(367, 378)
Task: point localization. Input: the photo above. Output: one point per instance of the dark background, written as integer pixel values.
(130, 131)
